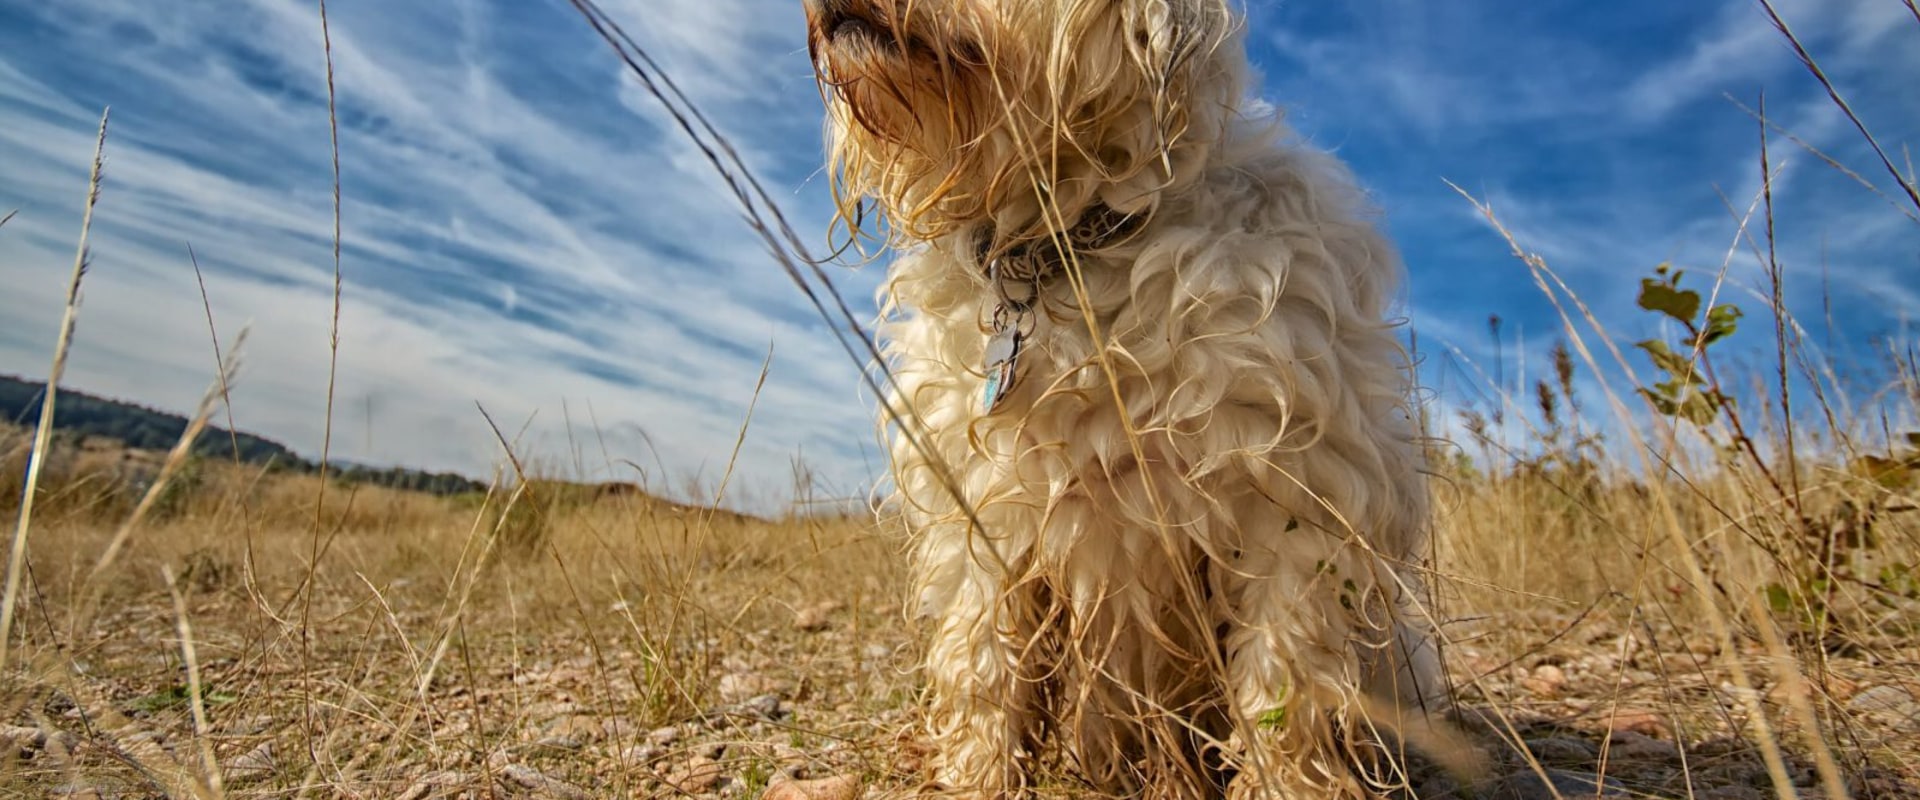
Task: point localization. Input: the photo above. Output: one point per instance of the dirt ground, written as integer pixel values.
(661, 651)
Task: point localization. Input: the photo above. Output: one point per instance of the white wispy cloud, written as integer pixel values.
(525, 229)
(1740, 49)
(633, 283)
(1607, 143)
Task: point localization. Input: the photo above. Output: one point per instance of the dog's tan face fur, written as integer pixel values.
(949, 112)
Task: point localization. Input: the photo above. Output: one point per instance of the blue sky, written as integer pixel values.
(524, 230)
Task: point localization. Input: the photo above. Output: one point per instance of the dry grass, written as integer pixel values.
(553, 639)
(1722, 605)
(560, 661)
(629, 617)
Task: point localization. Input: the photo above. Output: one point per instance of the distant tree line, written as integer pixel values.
(82, 415)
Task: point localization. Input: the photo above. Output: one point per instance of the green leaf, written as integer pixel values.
(180, 695)
(1779, 598)
(1658, 351)
(170, 697)
(1721, 322)
(1898, 578)
(1677, 366)
(1276, 716)
(1660, 402)
(1700, 408)
(1680, 304)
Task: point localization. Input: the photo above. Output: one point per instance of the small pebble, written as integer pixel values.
(838, 787)
(254, 763)
(1562, 750)
(700, 775)
(1639, 746)
(1526, 785)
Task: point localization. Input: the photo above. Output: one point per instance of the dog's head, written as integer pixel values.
(953, 112)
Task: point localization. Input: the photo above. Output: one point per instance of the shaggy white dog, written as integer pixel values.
(1152, 434)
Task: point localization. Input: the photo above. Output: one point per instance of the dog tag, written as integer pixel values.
(1003, 353)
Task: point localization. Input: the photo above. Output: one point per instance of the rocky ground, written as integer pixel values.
(767, 679)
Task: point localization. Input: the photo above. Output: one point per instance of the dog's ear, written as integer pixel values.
(1175, 44)
(1155, 41)
(1168, 38)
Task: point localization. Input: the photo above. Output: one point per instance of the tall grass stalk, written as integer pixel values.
(1904, 182)
(769, 222)
(43, 434)
(1555, 290)
(333, 365)
(176, 459)
(210, 783)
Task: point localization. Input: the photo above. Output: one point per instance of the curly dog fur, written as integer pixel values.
(1183, 545)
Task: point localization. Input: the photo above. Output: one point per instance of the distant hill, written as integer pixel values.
(83, 415)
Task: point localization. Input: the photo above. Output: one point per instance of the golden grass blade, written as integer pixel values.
(249, 573)
(1788, 672)
(219, 361)
(1905, 182)
(455, 615)
(1776, 280)
(706, 521)
(333, 364)
(452, 620)
(1545, 277)
(43, 434)
(1829, 161)
(210, 780)
(333, 331)
(783, 244)
(739, 439)
(169, 469)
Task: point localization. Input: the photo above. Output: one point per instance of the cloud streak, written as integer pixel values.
(632, 283)
(526, 231)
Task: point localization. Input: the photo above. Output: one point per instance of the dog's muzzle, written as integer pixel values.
(834, 20)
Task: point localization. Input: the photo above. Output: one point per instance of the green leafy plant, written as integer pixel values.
(1689, 392)
(178, 696)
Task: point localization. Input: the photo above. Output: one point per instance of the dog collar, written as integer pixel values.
(1016, 275)
(1039, 259)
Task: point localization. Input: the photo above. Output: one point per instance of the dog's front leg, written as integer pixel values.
(982, 693)
(1290, 668)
